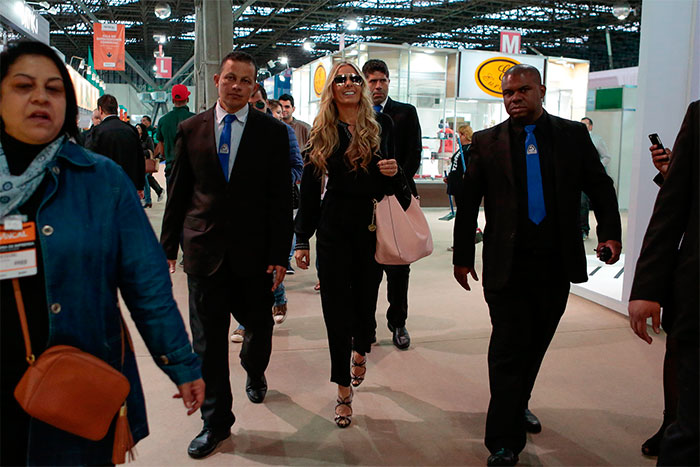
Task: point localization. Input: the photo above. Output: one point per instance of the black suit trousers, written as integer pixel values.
(524, 317)
(397, 294)
(680, 442)
(212, 301)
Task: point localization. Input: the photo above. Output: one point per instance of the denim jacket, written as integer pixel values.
(95, 238)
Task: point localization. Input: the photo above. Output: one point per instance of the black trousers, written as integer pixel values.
(397, 294)
(153, 183)
(679, 445)
(524, 317)
(212, 301)
(350, 279)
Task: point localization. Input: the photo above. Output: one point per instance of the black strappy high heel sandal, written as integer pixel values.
(358, 379)
(343, 421)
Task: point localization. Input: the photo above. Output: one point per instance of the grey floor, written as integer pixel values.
(598, 395)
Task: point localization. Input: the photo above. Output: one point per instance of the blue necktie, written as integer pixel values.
(377, 108)
(535, 195)
(225, 144)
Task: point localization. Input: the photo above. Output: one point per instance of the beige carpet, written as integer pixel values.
(598, 395)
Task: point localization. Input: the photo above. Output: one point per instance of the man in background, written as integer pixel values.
(167, 127)
(119, 141)
(407, 135)
(602, 149)
(301, 129)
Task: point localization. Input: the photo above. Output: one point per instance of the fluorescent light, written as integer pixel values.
(351, 25)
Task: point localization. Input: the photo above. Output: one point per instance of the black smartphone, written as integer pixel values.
(654, 138)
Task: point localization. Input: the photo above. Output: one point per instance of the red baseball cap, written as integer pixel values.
(180, 92)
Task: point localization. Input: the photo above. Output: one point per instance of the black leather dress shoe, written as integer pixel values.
(205, 442)
(256, 389)
(532, 423)
(503, 456)
(400, 337)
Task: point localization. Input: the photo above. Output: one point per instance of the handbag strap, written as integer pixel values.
(23, 322)
(25, 328)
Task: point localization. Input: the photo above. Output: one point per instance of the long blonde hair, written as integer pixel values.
(324, 140)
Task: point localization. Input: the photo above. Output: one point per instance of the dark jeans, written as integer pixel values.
(524, 317)
(679, 445)
(350, 279)
(212, 301)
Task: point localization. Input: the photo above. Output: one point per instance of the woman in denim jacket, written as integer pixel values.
(92, 238)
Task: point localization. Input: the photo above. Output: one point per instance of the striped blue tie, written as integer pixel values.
(535, 194)
(225, 144)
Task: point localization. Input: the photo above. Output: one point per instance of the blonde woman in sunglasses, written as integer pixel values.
(353, 146)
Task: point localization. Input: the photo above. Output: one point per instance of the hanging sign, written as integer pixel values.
(164, 67)
(510, 42)
(480, 72)
(108, 42)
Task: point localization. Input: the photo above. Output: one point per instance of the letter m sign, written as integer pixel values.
(510, 42)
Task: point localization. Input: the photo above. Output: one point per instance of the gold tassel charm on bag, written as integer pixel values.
(123, 441)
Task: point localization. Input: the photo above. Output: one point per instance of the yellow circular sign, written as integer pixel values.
(319, 80)
(490, 72)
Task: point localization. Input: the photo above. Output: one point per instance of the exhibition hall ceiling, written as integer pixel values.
(303, 30)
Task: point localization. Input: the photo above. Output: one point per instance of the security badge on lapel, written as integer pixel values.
(17, 247)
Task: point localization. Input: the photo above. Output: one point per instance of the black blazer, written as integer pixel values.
(407, 138)
(120, 142)
(249, 218)
(667, 273)
(577, 168)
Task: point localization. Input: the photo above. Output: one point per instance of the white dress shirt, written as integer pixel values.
(237, 128)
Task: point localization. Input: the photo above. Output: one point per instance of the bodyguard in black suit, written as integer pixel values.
(118, 140)
(229, 198)
(530, 171)
(668, 275)
(407, 137)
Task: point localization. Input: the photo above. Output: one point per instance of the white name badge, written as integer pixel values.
(18, 251)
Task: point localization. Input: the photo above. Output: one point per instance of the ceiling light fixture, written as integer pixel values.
(621, 10)
(162, 11)
(351, 25)
(309, 46)
(283, 60)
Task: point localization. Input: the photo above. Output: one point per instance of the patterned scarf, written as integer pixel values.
(16, 190)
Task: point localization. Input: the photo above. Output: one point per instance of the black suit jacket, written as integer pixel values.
(249, 218)
(666, 272)
(120, 142)
(407, 137)
(577, 168)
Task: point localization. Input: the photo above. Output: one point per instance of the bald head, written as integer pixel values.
(96, 117)
(524, 69)
(523, 93)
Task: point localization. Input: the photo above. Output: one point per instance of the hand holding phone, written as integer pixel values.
(656, 141)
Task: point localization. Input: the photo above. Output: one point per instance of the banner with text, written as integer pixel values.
(108, 42)
(480, 72)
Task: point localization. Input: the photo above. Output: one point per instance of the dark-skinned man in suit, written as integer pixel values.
(407, 137)
(237, 232)
(530, 171)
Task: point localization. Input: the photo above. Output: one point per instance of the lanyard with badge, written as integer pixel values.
(17, 247)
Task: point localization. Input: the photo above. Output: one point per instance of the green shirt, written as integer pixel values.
(167, 129)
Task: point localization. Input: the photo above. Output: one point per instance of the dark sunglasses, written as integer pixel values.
(340, 80)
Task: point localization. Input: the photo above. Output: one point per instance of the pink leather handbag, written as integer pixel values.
(403, 237)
